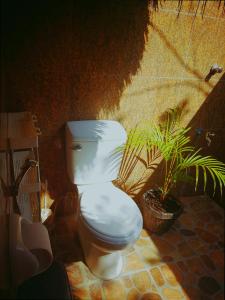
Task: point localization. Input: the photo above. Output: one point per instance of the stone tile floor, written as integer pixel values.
(187, 262)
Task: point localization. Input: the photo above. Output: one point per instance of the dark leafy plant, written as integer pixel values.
(173, 145)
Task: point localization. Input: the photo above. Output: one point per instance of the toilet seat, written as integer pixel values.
(110, 214)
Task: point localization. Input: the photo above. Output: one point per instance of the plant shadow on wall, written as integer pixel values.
(184, 75)
(201, 5)
(184, 83)
(208, 130)
(66, 60)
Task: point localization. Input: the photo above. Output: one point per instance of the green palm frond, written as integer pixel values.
(171, 142)
(182, 177)
(208, 165)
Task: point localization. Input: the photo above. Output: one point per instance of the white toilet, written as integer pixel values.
(108, 219)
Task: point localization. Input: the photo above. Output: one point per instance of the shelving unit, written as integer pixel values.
(19, 137)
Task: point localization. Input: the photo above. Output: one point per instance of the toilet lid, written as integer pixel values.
(111, 214)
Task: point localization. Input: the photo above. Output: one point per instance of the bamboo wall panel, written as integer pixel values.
(120, 60)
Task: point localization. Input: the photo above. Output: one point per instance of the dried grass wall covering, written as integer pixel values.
(71, 60)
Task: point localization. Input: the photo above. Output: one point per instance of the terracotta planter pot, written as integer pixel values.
(158, 217)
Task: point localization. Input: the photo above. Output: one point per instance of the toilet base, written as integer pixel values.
(105, 265)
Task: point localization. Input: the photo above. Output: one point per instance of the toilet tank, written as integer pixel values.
(92, 150)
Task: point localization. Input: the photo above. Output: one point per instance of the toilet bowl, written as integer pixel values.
(108, 219)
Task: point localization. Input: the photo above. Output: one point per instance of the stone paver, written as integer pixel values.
(133, 294)
(173, 237)
(207, 236)
(127, 282)
(150, 256)
(166, 248)
(208, 262)
(183, 267)
(185, 263)
(95, 291)
(75, 274)
(209, 285)
(132, 263)
(195, 266)
(172, 294)
(217, 257)
(156, 274)
(187, 232)
(170, 275)
(114, 290)
(81, 293)
(191, 293)
(143, 242)
(185, 250)
(142, 281)
(151, 296)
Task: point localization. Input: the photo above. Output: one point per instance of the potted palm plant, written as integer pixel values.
(170, 144)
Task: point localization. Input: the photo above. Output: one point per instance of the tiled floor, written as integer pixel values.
(185, 263)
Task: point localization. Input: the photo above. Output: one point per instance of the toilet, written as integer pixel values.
(108, 220)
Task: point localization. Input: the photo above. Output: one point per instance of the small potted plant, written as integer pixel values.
(171, 144)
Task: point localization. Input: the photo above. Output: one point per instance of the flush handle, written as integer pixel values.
(76, 147)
